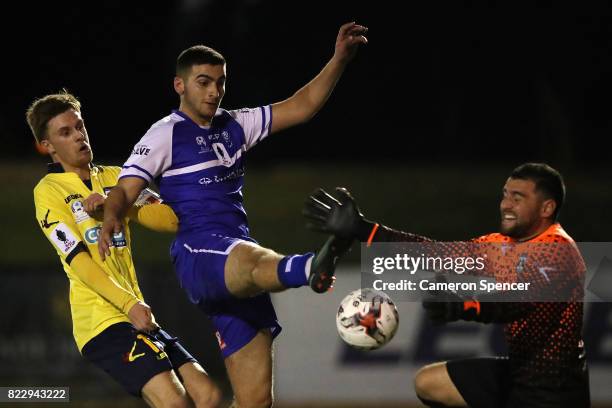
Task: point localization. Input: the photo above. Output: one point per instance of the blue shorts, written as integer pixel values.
(200, 267)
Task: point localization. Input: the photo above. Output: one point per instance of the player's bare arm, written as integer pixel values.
(306, 102)
(119, 200)
(152, 214)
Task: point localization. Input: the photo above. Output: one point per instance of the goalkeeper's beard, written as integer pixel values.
(516, 230)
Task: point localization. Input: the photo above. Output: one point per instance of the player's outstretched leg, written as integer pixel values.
(251, 269)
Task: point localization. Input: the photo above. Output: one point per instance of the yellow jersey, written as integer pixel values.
(58, 199)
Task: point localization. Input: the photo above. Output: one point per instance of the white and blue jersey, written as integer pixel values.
(199, 169)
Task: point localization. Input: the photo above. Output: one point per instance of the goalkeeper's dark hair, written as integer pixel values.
(197, 55)
(548, 182)
(46, 108)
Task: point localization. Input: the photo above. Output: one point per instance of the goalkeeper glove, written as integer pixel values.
(444, 306)
(338, 216)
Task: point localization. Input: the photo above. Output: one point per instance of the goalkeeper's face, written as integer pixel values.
(67, 140)
(524, 212)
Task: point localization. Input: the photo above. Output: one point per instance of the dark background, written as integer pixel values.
(450, 82)
(424, 127)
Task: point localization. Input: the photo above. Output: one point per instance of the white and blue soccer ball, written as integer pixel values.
(367, 319)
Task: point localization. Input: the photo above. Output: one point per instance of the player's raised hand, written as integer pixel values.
(94, 206)
(141, 317)
(339, 216)
(350, 36)
(110, 227)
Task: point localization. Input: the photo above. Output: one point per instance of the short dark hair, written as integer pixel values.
(548, 181)
(46, 108)
(197, 55)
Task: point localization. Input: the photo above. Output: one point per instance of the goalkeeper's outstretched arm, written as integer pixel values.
(341, 217)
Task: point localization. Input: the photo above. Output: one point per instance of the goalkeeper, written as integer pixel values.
(545, 365)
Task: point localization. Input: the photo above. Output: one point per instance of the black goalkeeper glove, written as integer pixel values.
(443, 306)
(338, 216)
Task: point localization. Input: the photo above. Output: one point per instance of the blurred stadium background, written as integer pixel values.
(423, 128)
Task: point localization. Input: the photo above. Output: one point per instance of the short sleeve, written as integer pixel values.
(151, 156)
(57, 223)
(255, 122)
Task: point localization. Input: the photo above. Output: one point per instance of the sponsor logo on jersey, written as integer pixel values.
(141, 150)
(46, 224)
(63, 238)
(230, 175)
(119, 240)
(93, 234)
(147, 196)
(72, 197)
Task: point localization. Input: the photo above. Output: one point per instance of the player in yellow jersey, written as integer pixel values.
(112, 325)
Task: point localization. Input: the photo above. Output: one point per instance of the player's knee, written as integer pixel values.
(207, 398)
(244, 264)
(425, 384)
(160, 393)
(430, 385)
(263, 259)
(260, 257)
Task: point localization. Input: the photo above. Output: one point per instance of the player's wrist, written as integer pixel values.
(366, 230)
(127, 308)
(339, 60)
(470, 309)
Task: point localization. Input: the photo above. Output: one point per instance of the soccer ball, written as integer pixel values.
(367, 319)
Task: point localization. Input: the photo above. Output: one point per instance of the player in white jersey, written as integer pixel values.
(195, 155)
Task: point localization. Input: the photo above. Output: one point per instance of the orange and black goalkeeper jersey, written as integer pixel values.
(544, 338)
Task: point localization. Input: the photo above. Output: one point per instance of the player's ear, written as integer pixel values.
(548, 208)
(47, 146)
(179, 85)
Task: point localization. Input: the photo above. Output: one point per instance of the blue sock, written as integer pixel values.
(292, 271)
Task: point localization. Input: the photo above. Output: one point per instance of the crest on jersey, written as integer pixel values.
(520, 267)
(201, 141)
(224, 157)
(78, 211)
